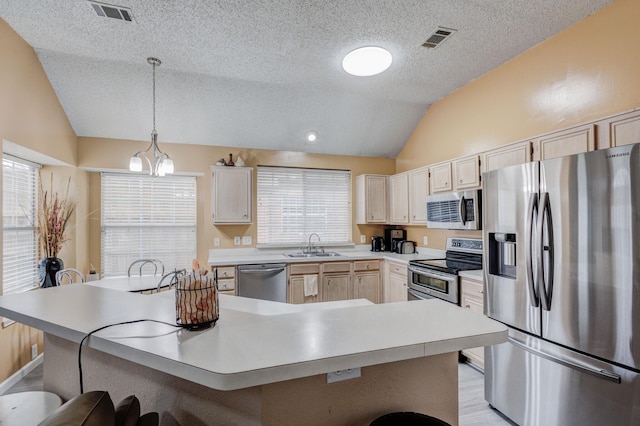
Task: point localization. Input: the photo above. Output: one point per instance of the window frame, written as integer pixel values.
(29, 253)
(152, 222)
(332, 232)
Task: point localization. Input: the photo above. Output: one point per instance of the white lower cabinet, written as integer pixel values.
(472, 298)
(295, 290)
(226, 279)
(366, 280)
(395, 282)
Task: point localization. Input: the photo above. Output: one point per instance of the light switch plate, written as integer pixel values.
(363, 238)
(216, 242)
(246, 240)
(425, 241)
(337, 376)
(236, 241)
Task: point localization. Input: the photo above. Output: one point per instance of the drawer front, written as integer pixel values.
(397, 268)
(224, 285)
(336, 267)
(304, 268)
(366, 265)
(226, 272)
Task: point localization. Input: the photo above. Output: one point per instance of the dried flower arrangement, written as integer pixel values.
(53, 217)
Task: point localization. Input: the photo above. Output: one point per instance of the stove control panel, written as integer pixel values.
(467, 245)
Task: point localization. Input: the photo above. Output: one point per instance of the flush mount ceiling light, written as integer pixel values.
(162, 163)
(311, 136)
(367, 61)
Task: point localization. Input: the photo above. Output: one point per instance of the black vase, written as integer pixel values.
(47, 269)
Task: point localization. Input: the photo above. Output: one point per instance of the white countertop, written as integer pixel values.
(135, 284)
(222, 257)
(254, 342)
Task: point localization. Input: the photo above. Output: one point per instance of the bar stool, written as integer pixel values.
(27, 408)
(407, 419)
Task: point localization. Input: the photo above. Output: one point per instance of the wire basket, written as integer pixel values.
(197, 301)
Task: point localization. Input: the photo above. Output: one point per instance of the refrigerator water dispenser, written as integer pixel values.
(502, 254)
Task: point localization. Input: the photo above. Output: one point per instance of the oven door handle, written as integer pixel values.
(419, 295)
(430, 274)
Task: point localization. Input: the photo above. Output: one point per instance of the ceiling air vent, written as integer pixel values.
(112, 11)
(438, 36)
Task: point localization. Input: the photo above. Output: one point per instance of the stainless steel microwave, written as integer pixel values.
(455, 210)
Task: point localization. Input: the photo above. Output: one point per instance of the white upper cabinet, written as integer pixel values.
(440, 179)
(461, 173)
(399, 199)
(510, 155)
(571, 141)
(466, 172)
(418, 190)
(371, 199)
(231, 194)
(622, 129)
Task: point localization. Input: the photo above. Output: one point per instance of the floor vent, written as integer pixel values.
(112, 11)
(438, 37)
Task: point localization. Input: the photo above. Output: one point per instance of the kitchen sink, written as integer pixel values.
(315, 254)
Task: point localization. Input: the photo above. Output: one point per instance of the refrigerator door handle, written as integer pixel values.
(546, 289)
(462, 208)
(602, 374)
(532, 213)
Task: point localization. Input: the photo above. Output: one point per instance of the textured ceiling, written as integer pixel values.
(260, 74)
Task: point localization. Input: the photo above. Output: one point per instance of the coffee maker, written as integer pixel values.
(391, 238)
(377, 244)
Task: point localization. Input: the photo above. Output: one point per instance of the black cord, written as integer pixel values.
(102, 328)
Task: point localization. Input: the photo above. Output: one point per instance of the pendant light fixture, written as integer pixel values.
(162, 164)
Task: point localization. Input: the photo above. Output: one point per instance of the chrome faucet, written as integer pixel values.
(309, 248)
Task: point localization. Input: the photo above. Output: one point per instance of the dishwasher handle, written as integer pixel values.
(260, 271)
(253, 269)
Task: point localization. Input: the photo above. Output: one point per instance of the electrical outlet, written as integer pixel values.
(216, 242)
(363, 238)
(425, 241)
(348, 374)
(236, 241)
(34, 351)
(246, 240)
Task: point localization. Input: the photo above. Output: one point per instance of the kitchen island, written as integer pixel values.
(263, 362)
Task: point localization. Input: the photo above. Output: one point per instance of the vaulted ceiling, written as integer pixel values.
(261, 74)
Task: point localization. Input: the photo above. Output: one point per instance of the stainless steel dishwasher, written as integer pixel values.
(266, 281)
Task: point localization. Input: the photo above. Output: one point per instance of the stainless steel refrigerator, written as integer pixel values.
(562, 270)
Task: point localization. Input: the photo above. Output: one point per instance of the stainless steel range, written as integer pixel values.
(439, 277)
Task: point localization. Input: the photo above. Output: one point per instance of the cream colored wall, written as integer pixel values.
(584, 73)
(30, 112)
(30, 116)
(75, 251)
(96, 153)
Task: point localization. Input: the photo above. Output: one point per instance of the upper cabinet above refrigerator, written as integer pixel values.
(575, 140)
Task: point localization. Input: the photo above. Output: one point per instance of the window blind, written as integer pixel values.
(147, 218)
(19, 233)
(293, 203)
